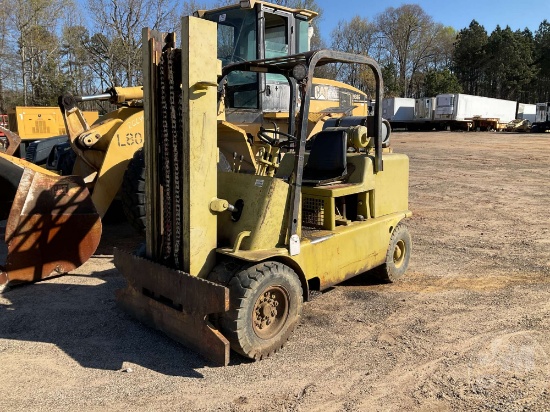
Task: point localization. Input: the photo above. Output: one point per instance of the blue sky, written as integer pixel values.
(517, 14)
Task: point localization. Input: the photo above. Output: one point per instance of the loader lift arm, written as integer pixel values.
(105, 148)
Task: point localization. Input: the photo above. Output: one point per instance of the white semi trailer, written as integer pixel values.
(542, 120)
(399, 111)
(423, 115)
(467, 112)
(527, 112)
(424, 108)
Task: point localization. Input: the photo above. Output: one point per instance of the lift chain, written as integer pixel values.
(165, 156)
(174, 79)
(171, 150)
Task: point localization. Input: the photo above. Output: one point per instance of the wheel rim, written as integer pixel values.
(399, 253)
(270, 312)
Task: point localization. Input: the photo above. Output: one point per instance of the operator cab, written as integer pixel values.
(254, 30)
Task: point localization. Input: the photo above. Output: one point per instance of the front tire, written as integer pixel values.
(397, 255)
(66, 163)
(133, 189)
(133, 192)
(265, 308)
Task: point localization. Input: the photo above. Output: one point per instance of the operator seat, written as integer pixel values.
(327, 161)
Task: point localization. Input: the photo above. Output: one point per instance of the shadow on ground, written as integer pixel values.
(84, 322)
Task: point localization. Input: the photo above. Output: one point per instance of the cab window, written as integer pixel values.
(236, 34)
(302, 36)
(276, 36)
(237, 42)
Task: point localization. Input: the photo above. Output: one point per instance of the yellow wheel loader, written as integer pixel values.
(230, 256)
(103, 149)
(53, 222)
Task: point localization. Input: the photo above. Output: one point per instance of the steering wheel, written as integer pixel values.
(263, 136)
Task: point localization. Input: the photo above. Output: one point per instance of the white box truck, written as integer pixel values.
(464, 111)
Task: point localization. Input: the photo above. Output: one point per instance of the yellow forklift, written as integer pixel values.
(231, 254)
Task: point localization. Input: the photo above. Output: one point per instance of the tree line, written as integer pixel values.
(420, 57)
(49, 47)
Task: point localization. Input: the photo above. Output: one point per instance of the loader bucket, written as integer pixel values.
(175, 303)
(52, 225)
(10, 141)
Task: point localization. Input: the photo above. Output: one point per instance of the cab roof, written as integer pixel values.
(250, 4)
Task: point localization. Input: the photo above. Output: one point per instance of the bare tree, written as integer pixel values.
(32, 24)
(358, 36)
(3, 57)
(117, 38)
(410, 38)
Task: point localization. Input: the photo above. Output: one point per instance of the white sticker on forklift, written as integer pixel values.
(259, 183)
(222, 17)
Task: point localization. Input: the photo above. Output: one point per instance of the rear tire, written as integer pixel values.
(265, 308)
(397, 255)
(386, 139)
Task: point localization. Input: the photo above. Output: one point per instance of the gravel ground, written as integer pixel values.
(466, 329)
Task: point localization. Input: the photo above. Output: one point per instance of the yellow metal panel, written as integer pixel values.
(351, 250)
(333, 256)
(33, 123)
(232, 139)
(318, 105)
(90, 116)
(264, 212)
(336, 83)
(392, 185)
(37, 122)
(200, 152)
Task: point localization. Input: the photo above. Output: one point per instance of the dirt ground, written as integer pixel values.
(467, 329)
